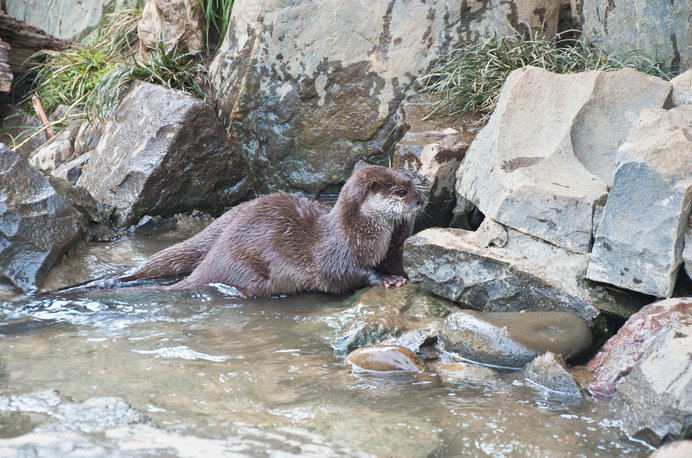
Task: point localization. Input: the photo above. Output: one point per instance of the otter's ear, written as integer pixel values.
(375, 186)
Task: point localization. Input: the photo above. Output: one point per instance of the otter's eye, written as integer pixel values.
(400, 192)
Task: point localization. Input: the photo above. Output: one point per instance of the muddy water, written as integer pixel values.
(220, 375)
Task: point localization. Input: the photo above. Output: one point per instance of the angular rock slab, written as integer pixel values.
(431, 150)
(526, 274)
(654, 402)
(548, 372)
(547, 156)
(513, 339)
(623, 351)
(178, 23)
(660, 29)
(37, 224)
(311, 87)
(164, 152)
(639, 243)
(682, 89)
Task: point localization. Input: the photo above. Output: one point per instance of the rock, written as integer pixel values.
(654, 402)
(431, 150)
(546, 158)
(513, 339)
(457, 373)
(682, 89)
(37, 224)
(659, 29)
(687, 249)
(163, 153)
(401, 316)
(15, 121)
(491, 233)
(526, 274)
(677, 449)
(624, 350)
(57, 150)
(526, 16)
(384, 358)
(178, 23)
(95, 415)
(6, 76)
(548, 372)
(639, 243)
(24, 39)
(72, 170)
(155, 225)
(67, 19)
(87, 138)
(306, 108)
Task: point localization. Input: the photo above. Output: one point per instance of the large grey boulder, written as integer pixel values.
(37, 224)
(65, 19)
(639, 243)
(658, 28)
(525, 274)
(310, 87)
(547, 156)
(162, 153)
(654, 402)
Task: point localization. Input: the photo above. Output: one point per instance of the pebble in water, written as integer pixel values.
(385, 358)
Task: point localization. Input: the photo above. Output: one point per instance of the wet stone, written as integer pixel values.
(377, 314)
(513, 339)
(384, 358)
(548, 372)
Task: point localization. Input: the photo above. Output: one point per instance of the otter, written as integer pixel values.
(282, 243)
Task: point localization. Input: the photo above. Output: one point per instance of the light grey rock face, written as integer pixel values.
(526, 274)
(37, 224)
(72, 170)
(682, 89)
(64, 19)
(513, 339)
(178, 23)
(307, 95)
(548, 372)
(655, 400)
(677, 449)
(547, 155)
(163, 153)
(660, 29)
(57, 150)
(521, 15)
(431, 150)
(687, 250)
(639, 244)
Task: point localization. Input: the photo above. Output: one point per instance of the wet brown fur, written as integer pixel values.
(282, 243)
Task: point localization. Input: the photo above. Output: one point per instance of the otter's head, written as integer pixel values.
(383, 193)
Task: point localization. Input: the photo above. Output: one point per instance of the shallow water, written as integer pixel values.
(222, 375)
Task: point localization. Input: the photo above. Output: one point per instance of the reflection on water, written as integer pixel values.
(256, 377)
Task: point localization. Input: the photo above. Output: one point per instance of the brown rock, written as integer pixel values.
(385, 358)
(622, 351)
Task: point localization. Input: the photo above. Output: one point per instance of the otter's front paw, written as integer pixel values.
(386, 280)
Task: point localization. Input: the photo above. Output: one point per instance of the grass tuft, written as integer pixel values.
(469, 79)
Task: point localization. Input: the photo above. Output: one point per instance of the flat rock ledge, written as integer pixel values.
(524, 274)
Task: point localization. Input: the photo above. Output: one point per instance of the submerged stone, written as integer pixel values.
(385, 358)
(378, 314)
(513, 339)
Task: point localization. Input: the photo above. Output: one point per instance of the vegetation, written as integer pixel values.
(469, 79)
(217, 14)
